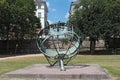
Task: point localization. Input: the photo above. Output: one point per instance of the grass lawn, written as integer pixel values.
(109, 62)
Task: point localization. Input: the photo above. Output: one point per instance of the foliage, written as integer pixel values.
(4, 11)
(112, 14)
(97, 19)
(17, 19)
(65, 41)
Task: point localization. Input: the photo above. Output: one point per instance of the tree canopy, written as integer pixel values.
(17, 19)
(97, 19)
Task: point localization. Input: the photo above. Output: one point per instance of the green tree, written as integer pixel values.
(112, 14)
(88, 16)
(24, 18)
(18, 20)
(4, 19)
(97, 19)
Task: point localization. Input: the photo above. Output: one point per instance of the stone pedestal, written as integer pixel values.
(72, 72)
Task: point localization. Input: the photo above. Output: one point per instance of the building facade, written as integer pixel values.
(71, 11)
(41, 12)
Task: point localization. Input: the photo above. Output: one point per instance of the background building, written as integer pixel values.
(41, 12)
(71, 11)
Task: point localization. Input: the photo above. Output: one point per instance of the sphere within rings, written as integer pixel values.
(59, 42)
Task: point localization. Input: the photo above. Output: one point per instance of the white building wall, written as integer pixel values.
(71, 11)
(41, 12)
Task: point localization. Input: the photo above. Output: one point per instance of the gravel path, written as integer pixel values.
(20, 56)
(34, 79)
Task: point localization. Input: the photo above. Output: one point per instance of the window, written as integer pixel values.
(39, 6)
(39, 15)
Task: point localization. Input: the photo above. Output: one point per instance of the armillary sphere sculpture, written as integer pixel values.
(59, 43)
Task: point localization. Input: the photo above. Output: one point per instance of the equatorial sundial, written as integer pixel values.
(59, 43)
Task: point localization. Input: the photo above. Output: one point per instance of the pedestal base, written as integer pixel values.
(44, 71)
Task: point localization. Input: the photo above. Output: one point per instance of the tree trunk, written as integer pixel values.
(7, 46)
(92, 46)
(114, 47)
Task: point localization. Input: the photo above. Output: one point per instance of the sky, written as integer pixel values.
(58, 10)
